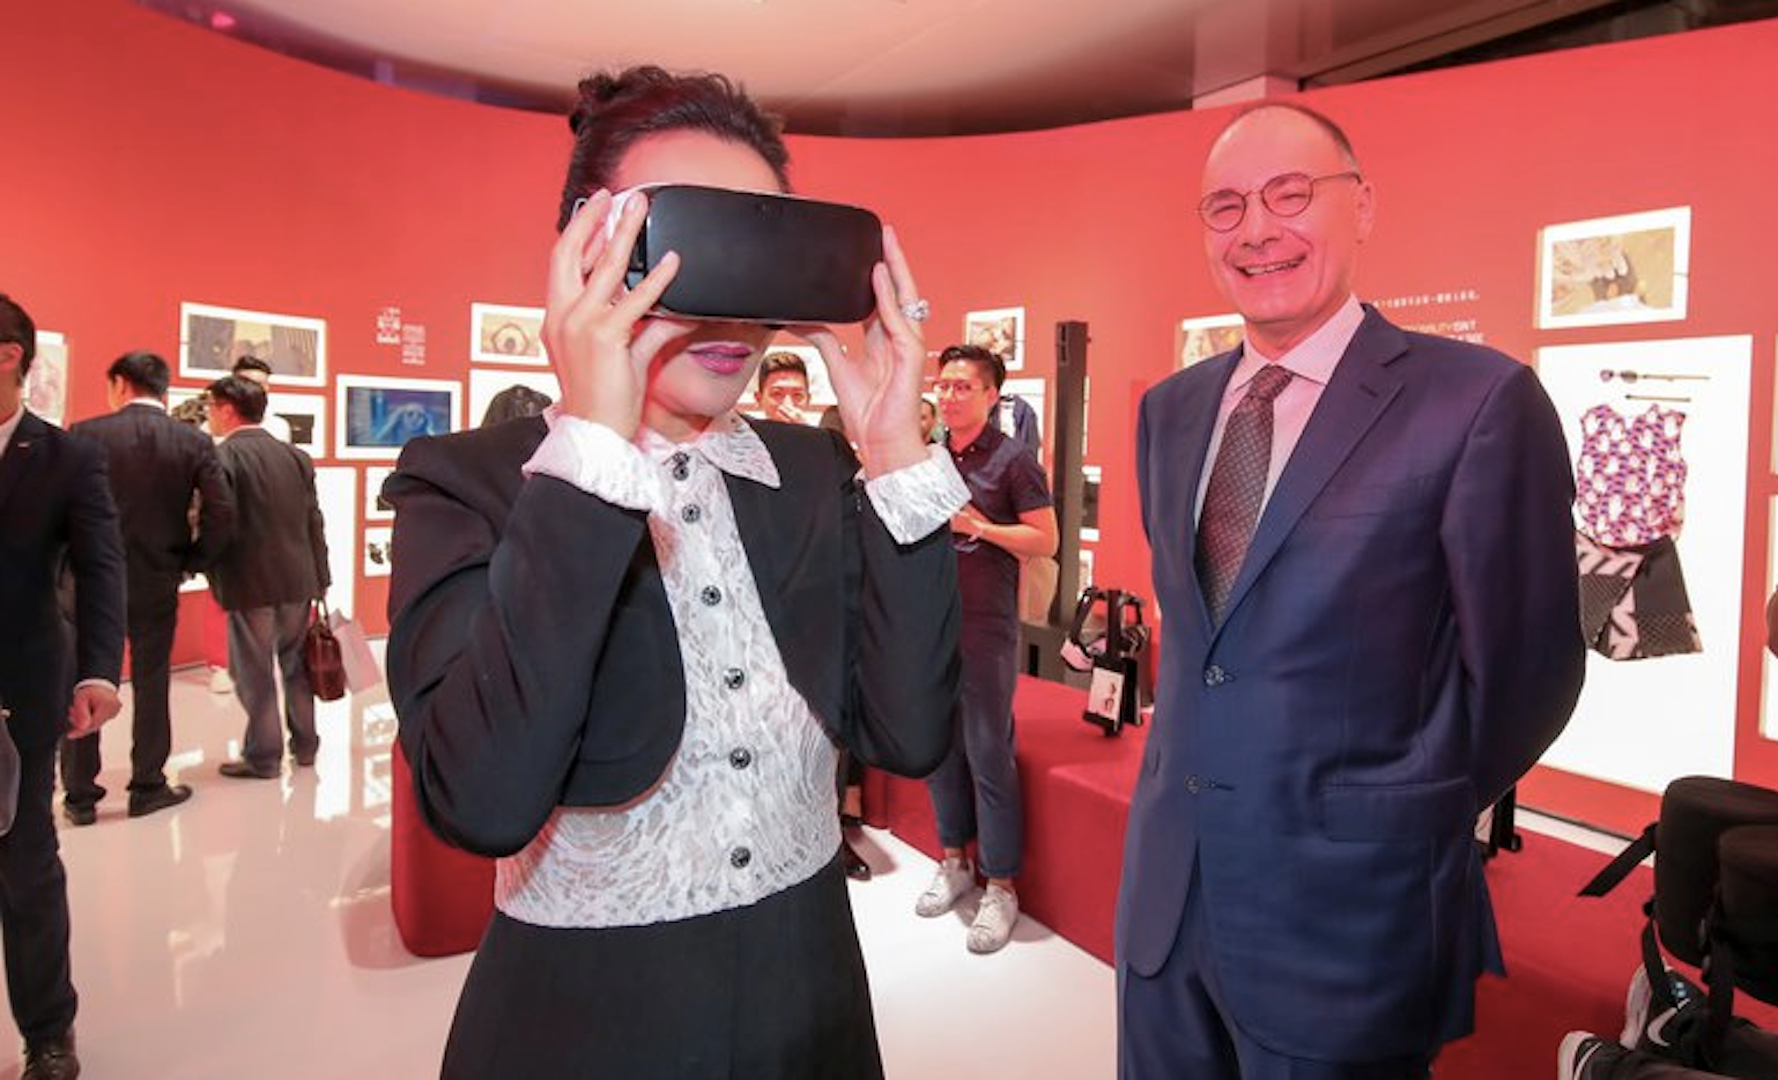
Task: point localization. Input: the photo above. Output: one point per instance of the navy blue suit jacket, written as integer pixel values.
(55, 504)
(1402, 643)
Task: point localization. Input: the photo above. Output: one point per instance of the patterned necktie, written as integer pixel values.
(1237, 487)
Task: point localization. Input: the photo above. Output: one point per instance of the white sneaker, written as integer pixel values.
(954, 878)
(994, 920)
(220, 683)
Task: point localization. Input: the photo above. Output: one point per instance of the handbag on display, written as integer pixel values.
(362, 672)
(322, 660)
(9, 775)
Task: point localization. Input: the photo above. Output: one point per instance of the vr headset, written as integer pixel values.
(756, 257)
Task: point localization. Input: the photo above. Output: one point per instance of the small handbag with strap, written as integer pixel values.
(322, 660)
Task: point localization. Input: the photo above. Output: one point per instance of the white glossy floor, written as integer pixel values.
(248, 934)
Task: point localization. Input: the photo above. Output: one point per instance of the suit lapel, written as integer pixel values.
(20, 453)
(1359, 392)
(761, 528)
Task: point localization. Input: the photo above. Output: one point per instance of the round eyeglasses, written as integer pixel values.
(1285, 196)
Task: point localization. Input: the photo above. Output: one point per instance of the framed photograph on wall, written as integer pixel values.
(46, 387)
(484, 383)
(377, 415)
(1627, 269)
(1001, 331)
(307, 416)
(375, 509)
(1200, 339)
(211, 339)
(499, 334)
(377, 551)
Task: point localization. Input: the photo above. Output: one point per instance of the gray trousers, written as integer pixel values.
(258, 638)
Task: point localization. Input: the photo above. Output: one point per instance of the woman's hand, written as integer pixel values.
(590, 322)
(879, 390)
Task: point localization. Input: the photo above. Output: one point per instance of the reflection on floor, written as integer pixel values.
(248, 934)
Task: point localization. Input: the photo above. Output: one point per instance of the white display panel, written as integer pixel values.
(1644, 723)
(1768, 717)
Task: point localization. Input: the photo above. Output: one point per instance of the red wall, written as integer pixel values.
(154, 163)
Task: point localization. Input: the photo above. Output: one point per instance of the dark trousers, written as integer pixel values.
(1174, 1025)
(34, 905)
(153, 615)
(765, 992)
(975, 789)
(265, 646)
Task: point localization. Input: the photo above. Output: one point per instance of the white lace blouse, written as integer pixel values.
(747, 806)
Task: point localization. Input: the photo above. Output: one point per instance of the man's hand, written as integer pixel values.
(94, 704)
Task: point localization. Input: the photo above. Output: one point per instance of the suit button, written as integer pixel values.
(691, 514)
(733, 678)
(739, 858)
(740, 757)
(1215, 676)
(711, 596)
(1193, 785)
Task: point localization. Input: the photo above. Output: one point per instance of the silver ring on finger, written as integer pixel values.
(916, 310)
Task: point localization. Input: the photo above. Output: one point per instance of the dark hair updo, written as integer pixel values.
(616, 111)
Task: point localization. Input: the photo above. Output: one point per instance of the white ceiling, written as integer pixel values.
(892, 67)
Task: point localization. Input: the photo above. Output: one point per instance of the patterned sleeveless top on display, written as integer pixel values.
(1630, 476)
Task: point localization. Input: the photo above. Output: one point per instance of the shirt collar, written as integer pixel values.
(729, 443)
(10, 427)
(153, 403)
(1315, 357)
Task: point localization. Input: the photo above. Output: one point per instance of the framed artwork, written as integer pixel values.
(485, 383)
(1607, 271)
(376, 551)
(1089, 502)
(1200, 339)
(377, 416)
(506, 335)
(375, 509)
(1036, 394)
(46, 387)
(306, 415)
(211, 339)
(1001, 331)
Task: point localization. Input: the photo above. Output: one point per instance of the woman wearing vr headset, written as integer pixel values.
(629, 636)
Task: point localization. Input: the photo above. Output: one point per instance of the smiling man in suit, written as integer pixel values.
(158, 466)
(57, 509)
(1363, 545)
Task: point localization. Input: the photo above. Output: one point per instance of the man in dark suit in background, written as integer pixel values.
(267, 577)
(157, 466)
(56, 508)
(1363, 545)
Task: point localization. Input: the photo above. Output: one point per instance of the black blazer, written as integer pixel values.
(156, 464)
(533, 657)
(278, 553)
(54, 501)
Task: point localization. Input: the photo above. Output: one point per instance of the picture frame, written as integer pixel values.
(378, 415)
(212, 338)
(485, 383)
(505, 334)
(46, 387)
(1211, 335)
(375, 509)
(1631, 268)
(377, 552)
(999, 330)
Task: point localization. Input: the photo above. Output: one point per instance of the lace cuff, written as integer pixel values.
(598, 461)
(916, 500)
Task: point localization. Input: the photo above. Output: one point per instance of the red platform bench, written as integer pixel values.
(1076, 783)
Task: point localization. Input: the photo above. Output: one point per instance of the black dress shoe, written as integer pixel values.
(305, 761)
(147, 802)
(80, 813)
(240, 770)
(856, 868)
(51, 1059)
